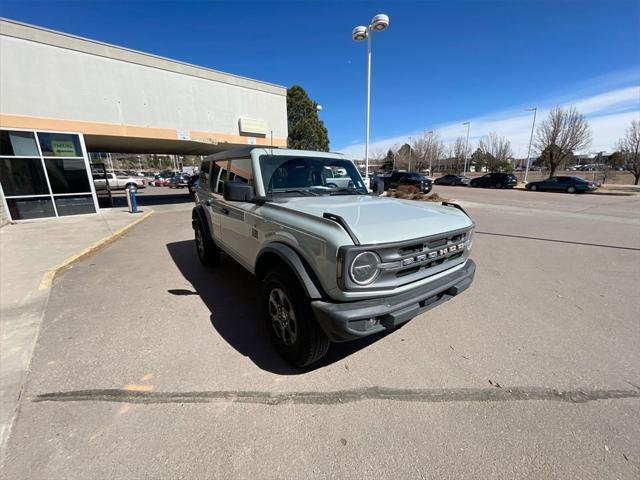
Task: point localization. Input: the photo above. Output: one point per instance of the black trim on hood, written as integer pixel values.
(342, 222)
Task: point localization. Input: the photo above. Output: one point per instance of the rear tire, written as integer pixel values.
(498, 185)
(533, 188)
(571, 189)
(208, 252)
(293, 329)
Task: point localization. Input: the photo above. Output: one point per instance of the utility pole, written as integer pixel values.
(526, 171)
(466, 147)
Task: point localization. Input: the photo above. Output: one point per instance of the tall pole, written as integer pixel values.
(430, 132)
(409, 154)
(466, 147)
(366, 143)
(526, 170)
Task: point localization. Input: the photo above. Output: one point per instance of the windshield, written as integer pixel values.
(310, 176)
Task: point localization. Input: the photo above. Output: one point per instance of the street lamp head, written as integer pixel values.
(359, 33)
(318, 108)
(380, 22)
(531, 109)
(466, 123)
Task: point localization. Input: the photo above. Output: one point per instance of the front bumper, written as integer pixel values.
(350, 320)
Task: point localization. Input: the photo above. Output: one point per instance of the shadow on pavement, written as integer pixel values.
(231, 294)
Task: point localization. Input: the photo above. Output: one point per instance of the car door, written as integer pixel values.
(552, 184)
(238, 220)
(210, 193)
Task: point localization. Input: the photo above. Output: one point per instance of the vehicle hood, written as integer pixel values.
(381, 219)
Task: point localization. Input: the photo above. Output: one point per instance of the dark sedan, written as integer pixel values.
(563, 184)
(495, 180)
(415, 179)
(453, 180)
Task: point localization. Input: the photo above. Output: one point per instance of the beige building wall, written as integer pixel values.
(54, 81)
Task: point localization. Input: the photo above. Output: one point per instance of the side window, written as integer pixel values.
(240, 170)
(219, 175)
(204, 173)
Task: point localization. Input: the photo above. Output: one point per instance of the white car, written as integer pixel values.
(336, 262)
(118, 182)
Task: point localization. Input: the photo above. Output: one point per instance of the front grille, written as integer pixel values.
(413, 261)
(405, 262)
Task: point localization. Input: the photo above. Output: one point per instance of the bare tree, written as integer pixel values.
(457, 151)
(559, 135)
(497, 151)
(629, 145)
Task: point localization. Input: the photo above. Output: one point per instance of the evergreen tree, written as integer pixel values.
(306, 130)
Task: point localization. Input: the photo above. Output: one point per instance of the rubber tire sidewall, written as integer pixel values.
(571, 189)
(211, 256)
(311, 343)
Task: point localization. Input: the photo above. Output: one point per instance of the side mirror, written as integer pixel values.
(237, 191)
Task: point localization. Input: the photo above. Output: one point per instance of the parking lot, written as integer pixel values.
(148, 365)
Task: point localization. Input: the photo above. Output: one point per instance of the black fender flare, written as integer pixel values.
(292, 259)
(198, 216)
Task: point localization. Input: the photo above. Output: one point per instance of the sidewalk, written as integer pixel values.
(31, 254)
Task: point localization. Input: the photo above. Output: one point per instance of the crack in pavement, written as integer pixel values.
(340, 396)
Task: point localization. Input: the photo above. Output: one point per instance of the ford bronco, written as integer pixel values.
(335, 262)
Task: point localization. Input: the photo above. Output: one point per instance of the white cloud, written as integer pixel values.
(609, 114)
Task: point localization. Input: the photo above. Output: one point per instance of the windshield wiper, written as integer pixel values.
(304, 191)
(347, 190)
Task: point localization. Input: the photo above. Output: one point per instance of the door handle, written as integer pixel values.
(208, 202)
(224, 211)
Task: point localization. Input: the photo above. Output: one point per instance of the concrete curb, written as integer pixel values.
(49, 275)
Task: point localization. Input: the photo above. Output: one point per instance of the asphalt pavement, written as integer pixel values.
(151, 366)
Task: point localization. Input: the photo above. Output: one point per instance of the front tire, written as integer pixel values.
(292, 326)
(533, 188)
(571, 189)
(208, 252)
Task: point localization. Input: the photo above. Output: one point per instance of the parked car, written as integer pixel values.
(160, 181)
(118, 182)
(398, 179)
(178, 181)
(495, 180)
(330, 270)
(453, 180)
(563, 184)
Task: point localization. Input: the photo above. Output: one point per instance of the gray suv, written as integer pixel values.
(335, 262)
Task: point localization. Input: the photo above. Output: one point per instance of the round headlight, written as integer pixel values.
(364, 268)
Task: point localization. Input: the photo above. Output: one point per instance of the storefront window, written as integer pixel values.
(22, 176)
(18, 144)
(75, 205)
(59, 144)
(48, 184)
(29, 208)
(67, 175)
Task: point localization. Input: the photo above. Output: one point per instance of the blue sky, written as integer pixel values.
(439, 64)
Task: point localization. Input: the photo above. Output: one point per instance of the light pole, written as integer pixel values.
(430, 132)
(526, 170)
(378, 23)
(409, 154)
(466, 147)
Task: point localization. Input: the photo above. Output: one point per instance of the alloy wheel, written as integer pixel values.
(283, 318)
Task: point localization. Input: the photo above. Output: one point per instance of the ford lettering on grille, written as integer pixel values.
(431, 255)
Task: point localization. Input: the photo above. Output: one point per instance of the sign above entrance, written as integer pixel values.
(183, 135)
(253, 126)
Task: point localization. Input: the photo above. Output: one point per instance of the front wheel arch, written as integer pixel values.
(278, 254)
